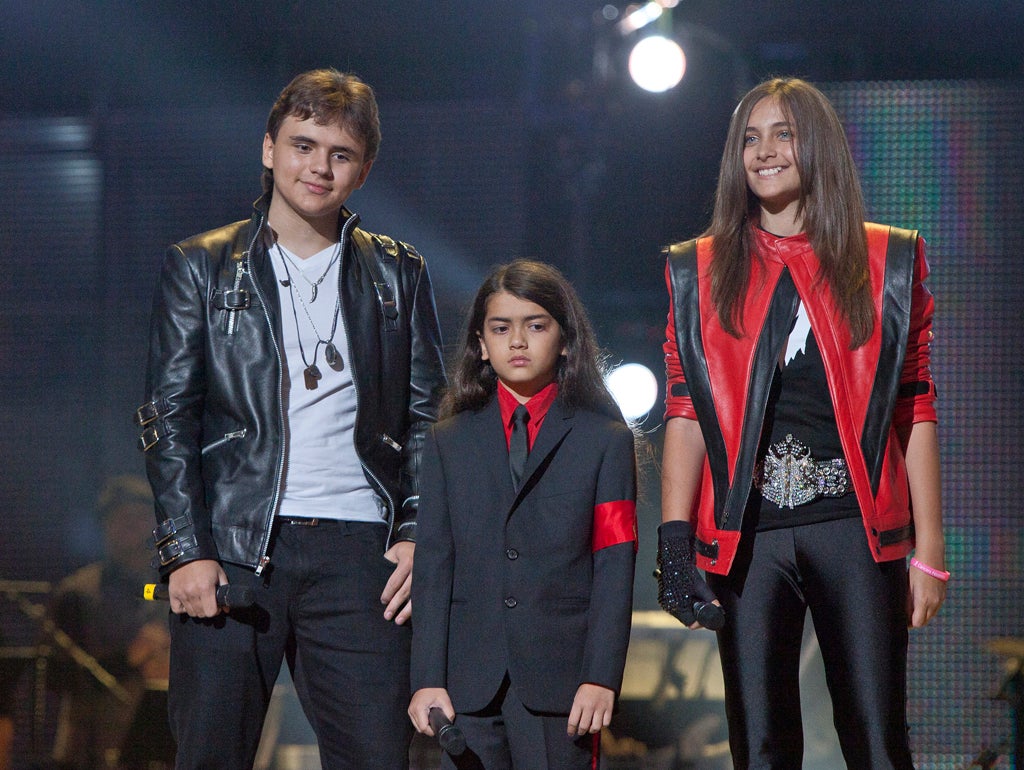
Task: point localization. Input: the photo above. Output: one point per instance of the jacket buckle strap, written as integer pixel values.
(232, 299)
(388, 249)
(145, 417)
(150, 411)
(169, 527)
(236, 296)
(150, 436)
(388, 306)
(173, 550)
(894, 536)
(707, 550)
(388, 245)
(914, 389)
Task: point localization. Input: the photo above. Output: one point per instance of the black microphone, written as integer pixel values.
(448, 735)
(228, 596)
(709, 615)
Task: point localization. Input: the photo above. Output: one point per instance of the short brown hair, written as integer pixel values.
(329, 97)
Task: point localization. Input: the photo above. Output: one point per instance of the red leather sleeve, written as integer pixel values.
(916, 402)
(676, 404)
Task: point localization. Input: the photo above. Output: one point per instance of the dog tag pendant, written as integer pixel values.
(331, 355)
(311, 374)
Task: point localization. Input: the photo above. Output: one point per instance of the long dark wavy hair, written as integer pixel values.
(830, 201)
(579, 373)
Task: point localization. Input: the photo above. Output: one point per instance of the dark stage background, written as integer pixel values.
(509, 130)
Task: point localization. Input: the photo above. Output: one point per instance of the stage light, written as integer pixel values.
(634, 388)
(640, 17)
(657, 63)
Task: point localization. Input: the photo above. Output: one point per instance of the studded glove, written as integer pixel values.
(682, 591)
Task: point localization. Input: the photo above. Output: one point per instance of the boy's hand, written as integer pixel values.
(398, 591)
(591, 710)
(192, 588)
(425, 699)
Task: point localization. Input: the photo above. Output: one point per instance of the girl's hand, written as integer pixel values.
(925, 596)
(591, 710)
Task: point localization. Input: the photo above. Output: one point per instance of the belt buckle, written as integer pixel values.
(789, 476)
(299, 521)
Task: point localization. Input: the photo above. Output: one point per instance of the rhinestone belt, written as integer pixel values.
(789, 476)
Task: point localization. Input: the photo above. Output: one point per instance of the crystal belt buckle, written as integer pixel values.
(789, 476)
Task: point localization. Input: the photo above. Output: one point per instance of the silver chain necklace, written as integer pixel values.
(313, 284)
(311, 373)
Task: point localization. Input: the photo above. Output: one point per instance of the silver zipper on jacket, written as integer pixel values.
(235, 434)
(232, 313)
(239, 272)
(275, 502)
(393, 513)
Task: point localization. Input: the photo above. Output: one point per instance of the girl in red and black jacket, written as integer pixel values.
(801, 460)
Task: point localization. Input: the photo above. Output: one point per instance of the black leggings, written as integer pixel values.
(859, 612)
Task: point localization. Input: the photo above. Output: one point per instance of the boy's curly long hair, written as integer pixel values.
(580, 372)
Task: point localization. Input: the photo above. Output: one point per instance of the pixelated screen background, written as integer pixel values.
(940, 157)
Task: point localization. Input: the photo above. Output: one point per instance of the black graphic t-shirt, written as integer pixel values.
(799, 405)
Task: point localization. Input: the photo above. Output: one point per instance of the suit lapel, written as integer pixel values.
(557, 424)
(486, 453)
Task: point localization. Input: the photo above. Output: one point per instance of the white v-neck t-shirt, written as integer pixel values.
(323, 475)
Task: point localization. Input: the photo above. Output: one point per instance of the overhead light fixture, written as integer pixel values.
(639, 17)
(657, 63)
(634, 388)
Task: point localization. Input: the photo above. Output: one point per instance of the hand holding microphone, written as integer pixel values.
(199, 589)
(228, 596)
(682, 591)
(452, 741)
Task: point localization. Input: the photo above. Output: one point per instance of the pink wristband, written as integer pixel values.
(935, 573)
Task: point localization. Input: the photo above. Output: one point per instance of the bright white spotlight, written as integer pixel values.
(634, 388)
(657, 63)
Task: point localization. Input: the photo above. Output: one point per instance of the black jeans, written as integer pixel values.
(859, 612)
(318, 606)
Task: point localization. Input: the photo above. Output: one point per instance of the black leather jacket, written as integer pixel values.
(214, 418)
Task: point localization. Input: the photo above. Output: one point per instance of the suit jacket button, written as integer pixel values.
(512, 554)
(511, 602)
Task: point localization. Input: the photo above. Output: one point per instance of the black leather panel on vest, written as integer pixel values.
(730, 501)
(896, 314)
(682, 260)
(772, 341)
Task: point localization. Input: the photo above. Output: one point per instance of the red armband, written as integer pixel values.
(614, 523)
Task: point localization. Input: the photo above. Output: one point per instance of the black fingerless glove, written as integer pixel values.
(682, 591)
